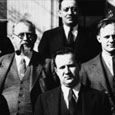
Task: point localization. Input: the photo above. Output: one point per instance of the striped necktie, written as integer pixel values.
(22, 68)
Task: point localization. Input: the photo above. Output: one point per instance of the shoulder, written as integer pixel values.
(6, 57)
(93, 93)
(51, 93)
(92, 61)
(53, 30)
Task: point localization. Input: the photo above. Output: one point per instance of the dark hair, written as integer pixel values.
(62, 51)
(60, 2)
(104, 22)
(27, 22)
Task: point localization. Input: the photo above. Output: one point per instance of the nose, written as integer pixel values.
(67, 70)
(70, 11)
(111, 38)
(25, 37)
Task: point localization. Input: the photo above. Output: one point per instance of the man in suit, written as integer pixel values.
(58, 37)
(22, 77)
(99, 73)
(59, 101)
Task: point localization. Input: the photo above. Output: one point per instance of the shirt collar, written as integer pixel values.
(106, 57)
(108, 60)
(76, 90)
(27, 59)
(74, 31)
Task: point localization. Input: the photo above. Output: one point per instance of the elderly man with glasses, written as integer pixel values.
(21, 75)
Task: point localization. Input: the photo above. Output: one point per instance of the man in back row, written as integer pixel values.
(71, 97)
(69, 34)
(99, 72)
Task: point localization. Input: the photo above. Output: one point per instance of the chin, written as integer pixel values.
(68, 83)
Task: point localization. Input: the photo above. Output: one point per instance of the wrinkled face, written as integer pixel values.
(23, 36)
(107, 38)
(69, 12)
(67, 69)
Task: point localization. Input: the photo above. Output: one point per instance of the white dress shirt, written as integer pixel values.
(65, 91)
(18, 59)
(108, 61)
(74, 31)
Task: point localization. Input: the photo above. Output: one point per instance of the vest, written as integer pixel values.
(17, 92)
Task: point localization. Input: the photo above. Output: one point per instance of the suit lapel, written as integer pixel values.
(15, 69)
(108, 73)
(35, 74)
(53, 102)
(36, 69)
(60, 39)
(98, 70)
(4, 68)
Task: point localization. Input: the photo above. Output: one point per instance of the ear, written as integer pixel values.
(59, 13)
(98, 38)
(55, 69)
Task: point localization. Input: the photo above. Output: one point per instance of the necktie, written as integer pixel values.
(70, 38)
(72, 102)
(22, 68)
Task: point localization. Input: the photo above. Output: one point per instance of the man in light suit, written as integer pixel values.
(98, 73)
(57, 38)
(87, 101)
(22, 81)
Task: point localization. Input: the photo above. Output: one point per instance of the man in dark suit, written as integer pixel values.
(59, 101)
(57, 38)
(22, 77)
(99, 72)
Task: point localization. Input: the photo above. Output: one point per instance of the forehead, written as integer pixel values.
(64, 59)
(68, 3)
(108, 29)
(22, 27)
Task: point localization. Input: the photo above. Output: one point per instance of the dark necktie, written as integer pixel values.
(113, 59)
(70, 38)
(22, 68)
(72, 102)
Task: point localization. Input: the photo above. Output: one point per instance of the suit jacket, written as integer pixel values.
(37, 78)
(55, 39)
(96, 74)
(4, 110)
(90, 102)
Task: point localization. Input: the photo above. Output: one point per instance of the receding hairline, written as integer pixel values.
(26, 22)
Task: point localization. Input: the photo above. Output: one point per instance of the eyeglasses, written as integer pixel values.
(29, 36)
